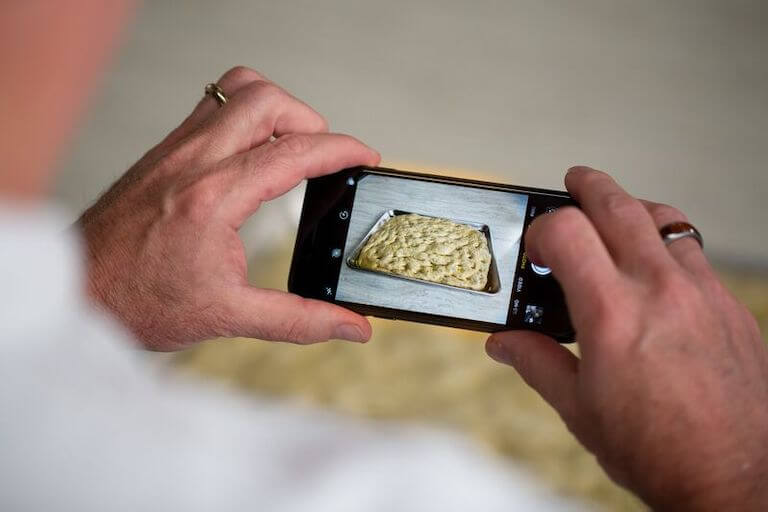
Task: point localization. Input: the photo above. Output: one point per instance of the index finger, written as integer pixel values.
(622, 221)
(271, 170)
(258, 111)
(567, 242)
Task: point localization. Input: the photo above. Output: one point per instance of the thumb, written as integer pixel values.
(279, 316)
(548, 367)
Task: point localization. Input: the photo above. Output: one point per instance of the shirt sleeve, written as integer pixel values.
(88, 423)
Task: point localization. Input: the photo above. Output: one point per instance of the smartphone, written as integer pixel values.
(426, 248)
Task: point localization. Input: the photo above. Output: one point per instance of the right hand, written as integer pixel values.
(671, 390)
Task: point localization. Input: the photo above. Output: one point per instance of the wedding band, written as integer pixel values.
(679, 230)
(215, 92)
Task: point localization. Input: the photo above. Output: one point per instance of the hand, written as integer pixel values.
(671, 390)
(163, 250)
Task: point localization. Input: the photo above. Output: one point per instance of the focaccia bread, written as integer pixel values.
(429, 248)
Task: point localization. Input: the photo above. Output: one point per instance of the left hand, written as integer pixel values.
(163, 249)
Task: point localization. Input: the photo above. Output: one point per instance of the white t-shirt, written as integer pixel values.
(88, 423)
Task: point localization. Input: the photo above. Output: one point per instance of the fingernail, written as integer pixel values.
(350, 332)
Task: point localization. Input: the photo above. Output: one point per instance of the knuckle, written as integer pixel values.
(295, 329)
(322, 123)
(291, 145)
(263, 90)
(663, 213)
(196, 201)
(239, 74)
(348, 143)
(622, 205)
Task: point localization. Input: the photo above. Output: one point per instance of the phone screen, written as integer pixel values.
(427, 248)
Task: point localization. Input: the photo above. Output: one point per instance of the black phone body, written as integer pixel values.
(342, 210)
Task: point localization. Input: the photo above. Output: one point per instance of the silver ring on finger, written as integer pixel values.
(679, 230)
(216, 92)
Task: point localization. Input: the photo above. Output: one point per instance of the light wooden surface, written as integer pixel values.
(503, 212)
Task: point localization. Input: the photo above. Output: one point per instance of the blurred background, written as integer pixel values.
(670, 97)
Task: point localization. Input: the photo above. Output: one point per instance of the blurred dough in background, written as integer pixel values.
(428, 375)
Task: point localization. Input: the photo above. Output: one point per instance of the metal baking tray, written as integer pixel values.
(493, 284)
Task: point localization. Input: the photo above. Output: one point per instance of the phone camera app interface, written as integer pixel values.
(432, 247)
(534, 315)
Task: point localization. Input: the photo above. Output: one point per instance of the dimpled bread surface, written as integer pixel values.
(429, 248)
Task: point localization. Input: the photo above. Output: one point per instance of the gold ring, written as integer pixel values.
(215, 92)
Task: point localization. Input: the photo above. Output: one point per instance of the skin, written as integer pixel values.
(164, 253)
(671, 386)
